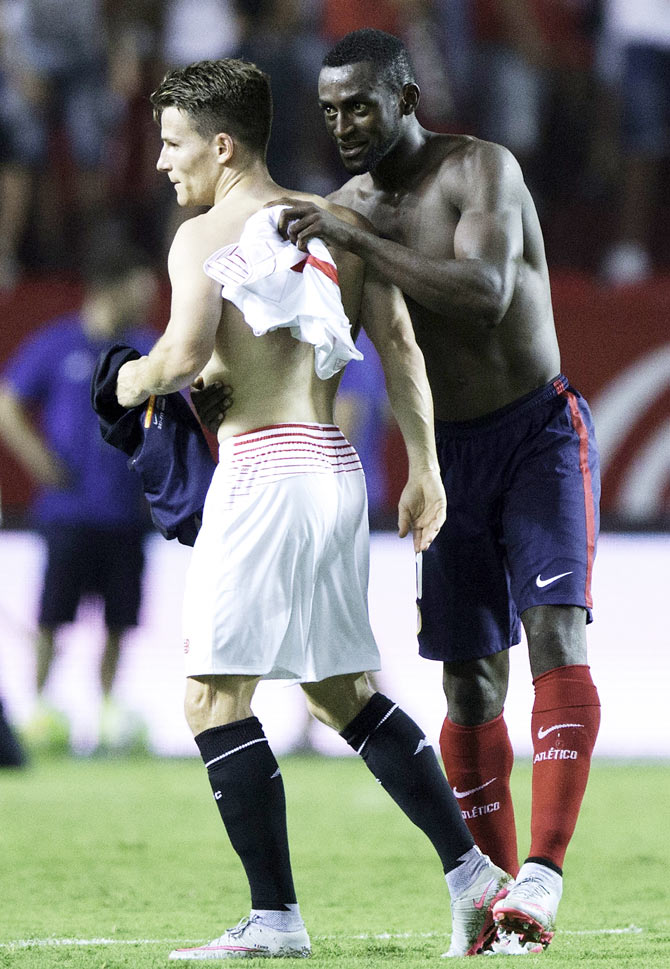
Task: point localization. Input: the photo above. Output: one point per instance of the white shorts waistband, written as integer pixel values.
(271, 453)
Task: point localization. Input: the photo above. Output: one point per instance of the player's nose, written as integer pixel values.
(342, 125)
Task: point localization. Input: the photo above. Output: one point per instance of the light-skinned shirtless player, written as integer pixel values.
(277, 585)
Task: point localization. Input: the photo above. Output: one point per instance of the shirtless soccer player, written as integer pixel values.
(277, 585)
(459, 234)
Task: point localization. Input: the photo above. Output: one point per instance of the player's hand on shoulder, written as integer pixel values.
(303, 220)
(422, 508)
(210, 402)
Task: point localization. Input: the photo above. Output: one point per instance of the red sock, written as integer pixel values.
(478, 760)
(565, 721)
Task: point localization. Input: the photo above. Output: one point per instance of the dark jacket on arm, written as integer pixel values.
(165, 444)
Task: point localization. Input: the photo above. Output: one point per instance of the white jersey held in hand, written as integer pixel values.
(275, 285)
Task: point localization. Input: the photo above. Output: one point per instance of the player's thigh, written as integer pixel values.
(550, 516)
(340, 639)
(465, 607)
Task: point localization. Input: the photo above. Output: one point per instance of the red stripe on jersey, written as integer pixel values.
(327, 268)
(582, 433)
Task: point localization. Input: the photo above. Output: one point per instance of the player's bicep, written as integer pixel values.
(490, 224)
(195, 307)
(494, 236)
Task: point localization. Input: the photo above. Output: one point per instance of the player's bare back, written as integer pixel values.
(273, 378)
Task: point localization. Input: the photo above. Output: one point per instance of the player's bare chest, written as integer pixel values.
(420, 220)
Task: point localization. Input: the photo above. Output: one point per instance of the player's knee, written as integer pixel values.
(336, 701)
(197, 703)
(556, 637)
(213, 701)
(476, 690)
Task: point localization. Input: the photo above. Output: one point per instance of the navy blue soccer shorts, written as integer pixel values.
(523, 491)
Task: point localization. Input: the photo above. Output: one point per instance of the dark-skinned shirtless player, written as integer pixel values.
(456, 229)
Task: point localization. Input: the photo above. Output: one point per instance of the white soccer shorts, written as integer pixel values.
(278, 580)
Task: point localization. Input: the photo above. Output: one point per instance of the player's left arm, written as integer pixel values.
(188, 341)
(489, 237)
(423, 503)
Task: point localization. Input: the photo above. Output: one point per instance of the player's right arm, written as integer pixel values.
(476, 282)
(187, 343)
(422, 506)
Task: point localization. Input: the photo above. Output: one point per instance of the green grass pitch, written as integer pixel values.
(112, 863)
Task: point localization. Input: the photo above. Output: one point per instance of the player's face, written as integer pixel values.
(187, 158)
(362, 115)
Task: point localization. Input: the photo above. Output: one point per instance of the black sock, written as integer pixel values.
(404, 763)
(249, 794)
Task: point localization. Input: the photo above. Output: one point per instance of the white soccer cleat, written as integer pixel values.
(529, 910)
(472, 927)
(510, 944)
(251, 939)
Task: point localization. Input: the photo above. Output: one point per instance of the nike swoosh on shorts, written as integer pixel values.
(540, 582)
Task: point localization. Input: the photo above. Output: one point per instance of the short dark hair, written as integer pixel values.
(230, 95)
(388, 54)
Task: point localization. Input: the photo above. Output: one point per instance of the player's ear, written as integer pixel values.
(410, 98)
(225, 147)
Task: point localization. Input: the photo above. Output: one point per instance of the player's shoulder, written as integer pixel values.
(342, 211)
(352, 192)
(192, 231)
(195, 240)
(340, 205)
(479, 157)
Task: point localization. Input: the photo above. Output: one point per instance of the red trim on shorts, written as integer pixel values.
(268, 454)
(560, 385)
(279, 427)
(582, 433)
(292, 446)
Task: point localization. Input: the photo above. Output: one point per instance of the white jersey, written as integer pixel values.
(277, 585)
(276, 285)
